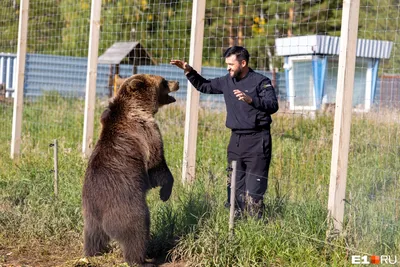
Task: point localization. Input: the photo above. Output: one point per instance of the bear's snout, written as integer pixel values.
(173, 86)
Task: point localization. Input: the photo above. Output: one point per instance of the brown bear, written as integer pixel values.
(127, 160)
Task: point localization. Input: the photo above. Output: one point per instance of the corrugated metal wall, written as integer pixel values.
(67, 76)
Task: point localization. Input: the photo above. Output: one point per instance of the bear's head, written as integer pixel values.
(147, 92)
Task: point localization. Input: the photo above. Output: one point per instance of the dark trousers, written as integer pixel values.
(252, 153)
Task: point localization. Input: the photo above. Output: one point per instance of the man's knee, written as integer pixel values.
(256, 186)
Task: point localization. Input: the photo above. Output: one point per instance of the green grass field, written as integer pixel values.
(38, 229)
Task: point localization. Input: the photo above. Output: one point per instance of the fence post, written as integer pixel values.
(344, 96)
(19, 87)
(91, 75)
(193, 96)
(233, 197)
(55, 155)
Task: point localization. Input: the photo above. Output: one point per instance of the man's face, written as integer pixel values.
(234, 66)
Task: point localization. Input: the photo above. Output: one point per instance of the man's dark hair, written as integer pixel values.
(240, 52)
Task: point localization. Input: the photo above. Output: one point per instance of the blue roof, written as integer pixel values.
(330, 45)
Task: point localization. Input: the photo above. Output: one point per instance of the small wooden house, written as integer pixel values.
(311, 69)
(132, 53)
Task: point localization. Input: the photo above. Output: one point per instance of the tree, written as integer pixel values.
(9, 14)
(256, 24)
(44, 26)
(379, 20)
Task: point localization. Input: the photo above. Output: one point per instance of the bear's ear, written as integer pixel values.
(132, 85)
(105, 116)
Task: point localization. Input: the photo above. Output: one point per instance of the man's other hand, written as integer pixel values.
(242, 96)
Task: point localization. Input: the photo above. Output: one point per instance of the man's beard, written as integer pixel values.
(237, 73)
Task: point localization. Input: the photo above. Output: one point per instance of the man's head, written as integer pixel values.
(237, 59)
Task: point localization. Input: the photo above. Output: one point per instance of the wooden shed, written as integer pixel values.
(132, 53)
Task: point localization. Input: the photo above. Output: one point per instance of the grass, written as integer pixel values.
(39, 229)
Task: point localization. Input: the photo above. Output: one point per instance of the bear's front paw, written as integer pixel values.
(165, 193)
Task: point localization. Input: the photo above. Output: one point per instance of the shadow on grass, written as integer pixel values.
(173, 222)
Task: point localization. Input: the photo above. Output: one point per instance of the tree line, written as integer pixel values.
(61, 27)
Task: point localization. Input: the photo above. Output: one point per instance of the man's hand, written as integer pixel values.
(182, 65)
(242, 96)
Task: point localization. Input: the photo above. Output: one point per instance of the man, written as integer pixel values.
(250, 100)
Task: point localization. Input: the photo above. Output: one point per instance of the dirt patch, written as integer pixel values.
(33, 253)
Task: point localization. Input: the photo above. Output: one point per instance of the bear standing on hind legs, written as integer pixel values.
(127, 161)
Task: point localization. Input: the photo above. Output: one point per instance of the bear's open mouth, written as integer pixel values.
(173, 86)
(171, 99)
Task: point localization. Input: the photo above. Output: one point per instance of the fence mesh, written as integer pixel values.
(302, 130)
(8, 43)
(302, 137)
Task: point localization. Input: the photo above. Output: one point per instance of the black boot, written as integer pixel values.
(228, 192)
(240, 206)
(255, 208)
(228, 186)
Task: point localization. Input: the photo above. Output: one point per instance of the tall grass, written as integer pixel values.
(192, 227)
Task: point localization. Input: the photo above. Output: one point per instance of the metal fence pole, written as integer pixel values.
(55, 146)
(233, 197)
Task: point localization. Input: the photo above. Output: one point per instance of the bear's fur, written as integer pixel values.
(126, 162)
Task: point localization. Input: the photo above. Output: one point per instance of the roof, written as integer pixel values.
(136, 54)
(330, 45)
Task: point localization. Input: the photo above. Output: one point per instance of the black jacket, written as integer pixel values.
(242, 117)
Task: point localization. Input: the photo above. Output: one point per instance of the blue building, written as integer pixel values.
(311, 69)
